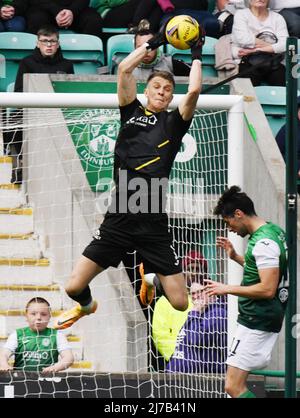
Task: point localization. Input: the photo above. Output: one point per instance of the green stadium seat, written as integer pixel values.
(211, 5)
(208, 56)
(273, 102)
(118, 47)
(85, 51)
(114, 30)
(14, 46)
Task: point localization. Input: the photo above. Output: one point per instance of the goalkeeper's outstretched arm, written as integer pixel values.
(188, 104)
(126, 80)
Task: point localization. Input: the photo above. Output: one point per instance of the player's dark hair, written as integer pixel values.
(143, 32)
(233, 199)
(37, 300)
(163, 74)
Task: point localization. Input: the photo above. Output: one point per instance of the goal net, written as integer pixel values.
(56, 177)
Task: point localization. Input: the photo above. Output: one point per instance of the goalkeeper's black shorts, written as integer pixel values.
(148, 234)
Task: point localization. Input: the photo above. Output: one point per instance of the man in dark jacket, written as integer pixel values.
(64, 14)
(46, 58)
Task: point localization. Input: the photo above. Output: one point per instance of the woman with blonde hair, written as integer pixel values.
(259, 43)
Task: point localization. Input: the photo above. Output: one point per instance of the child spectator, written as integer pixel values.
(37, 347)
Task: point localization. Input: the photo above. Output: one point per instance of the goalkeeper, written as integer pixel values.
(146, 147)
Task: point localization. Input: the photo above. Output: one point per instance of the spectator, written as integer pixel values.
(64, 14)
(201, 342)
(195, 267)
(156, 60)
(167, 321)
(198, 10)
(259, 38)
(12, 16)
(281, 141)
(290, 10)
(37, 347)
(46, 59)
(157, 12)
(119, 13)
(226, 11)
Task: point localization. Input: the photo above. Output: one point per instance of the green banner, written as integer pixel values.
(200, 165)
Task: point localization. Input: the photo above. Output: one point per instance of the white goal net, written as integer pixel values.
(56, 176)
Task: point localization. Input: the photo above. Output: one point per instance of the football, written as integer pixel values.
(182, 31)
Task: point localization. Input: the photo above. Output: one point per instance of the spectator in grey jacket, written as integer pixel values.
(156, 60)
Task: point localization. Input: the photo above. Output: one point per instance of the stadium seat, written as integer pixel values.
(208, 56)
(114, 30)
(211, 5)
(14, 46)
(85, 51)
(273, 102)
(118, 47)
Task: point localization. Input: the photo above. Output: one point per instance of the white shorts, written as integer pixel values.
(251, 349)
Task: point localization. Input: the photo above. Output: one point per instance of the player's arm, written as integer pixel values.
(265, 289)
(126, 80)
(223, 242)
(188, 104)
(266, 253)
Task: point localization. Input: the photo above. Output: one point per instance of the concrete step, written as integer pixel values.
(26, 247)
(5, 169)
(25, 272)
(16, 297)
(11, 196)
(16, 221)
(11, 319)
(82, 365)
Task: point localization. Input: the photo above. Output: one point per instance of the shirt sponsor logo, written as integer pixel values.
(143, 120)
(35, 355)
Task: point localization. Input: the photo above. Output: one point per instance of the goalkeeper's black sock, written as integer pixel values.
(247, 394)
(84, 298)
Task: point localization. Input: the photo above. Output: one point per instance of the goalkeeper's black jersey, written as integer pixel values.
(146, 147)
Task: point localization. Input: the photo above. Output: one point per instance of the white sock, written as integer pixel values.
(149, 278)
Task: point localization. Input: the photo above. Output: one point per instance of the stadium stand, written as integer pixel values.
(14, 46)
(85, 51)
(273, 102)
(118, 47)
(208, 56)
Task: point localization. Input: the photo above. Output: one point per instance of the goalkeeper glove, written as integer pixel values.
(158, 39)
(196, 48)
